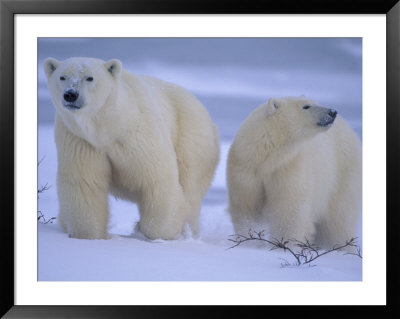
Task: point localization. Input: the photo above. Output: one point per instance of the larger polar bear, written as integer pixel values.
(294, 170)
(137, 137)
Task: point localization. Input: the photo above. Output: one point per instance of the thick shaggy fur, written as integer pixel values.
(294, 174)
(136, 137)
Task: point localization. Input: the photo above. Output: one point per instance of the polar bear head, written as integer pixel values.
(298, 117)
(81, 84)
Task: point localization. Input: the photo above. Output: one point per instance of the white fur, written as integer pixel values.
(293, 178)
(137, 137)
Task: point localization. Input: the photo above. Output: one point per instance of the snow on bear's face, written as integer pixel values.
(81, 84)
(297, 118)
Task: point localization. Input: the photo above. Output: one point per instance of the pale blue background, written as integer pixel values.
(231, 76)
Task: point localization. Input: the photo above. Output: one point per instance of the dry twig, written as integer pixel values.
(40, 190)
(43, 188)
(306, 252)
(43, 220)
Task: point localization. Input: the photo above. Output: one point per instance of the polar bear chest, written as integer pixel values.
(307, 180)
(126, 170)
(96, 134)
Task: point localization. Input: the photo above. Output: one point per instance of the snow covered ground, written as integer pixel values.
(127, 256)
(230, 83)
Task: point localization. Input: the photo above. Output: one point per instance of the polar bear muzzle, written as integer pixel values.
(327, 118)
(71, 98)
(71, 95)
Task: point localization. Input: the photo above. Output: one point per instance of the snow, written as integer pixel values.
(128, 256)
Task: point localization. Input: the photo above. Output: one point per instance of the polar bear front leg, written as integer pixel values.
(246, 200)
(161, 216)
(162, 206)
(289, 217)
(82, 184)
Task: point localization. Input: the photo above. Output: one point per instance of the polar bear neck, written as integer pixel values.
(265, 147)
(98, 128)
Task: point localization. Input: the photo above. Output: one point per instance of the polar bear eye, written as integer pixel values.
(305, 107)
(62, 78)
(89, 79)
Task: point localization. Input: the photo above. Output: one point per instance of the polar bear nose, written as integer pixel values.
(332, 113)
(71, 95)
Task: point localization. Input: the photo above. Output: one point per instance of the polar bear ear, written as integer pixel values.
(272, 105)
(50, 65)
(114, 66)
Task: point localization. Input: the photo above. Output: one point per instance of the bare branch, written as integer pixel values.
(43, 188)
(41, 160)
(306, 253)
(43, 220)
(40, 190)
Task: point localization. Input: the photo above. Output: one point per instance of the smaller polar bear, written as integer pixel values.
(136, 137)
(294, 170)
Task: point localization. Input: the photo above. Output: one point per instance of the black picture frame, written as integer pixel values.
(8, 10)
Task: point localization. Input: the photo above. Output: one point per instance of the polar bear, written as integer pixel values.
(294, 170)
(136, 137)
